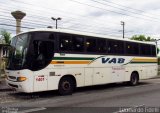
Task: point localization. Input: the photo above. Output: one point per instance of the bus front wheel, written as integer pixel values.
(134, 79)
(66, 86)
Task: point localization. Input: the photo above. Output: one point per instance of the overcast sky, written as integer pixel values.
(98, 16)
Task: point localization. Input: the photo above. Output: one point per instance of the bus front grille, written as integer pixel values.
(12, 85)
(12, 77)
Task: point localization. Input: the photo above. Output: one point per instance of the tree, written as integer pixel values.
(6, 36)
(142, 38)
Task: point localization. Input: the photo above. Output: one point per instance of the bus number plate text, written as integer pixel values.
(40, 79)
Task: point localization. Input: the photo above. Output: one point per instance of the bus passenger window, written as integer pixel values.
(132, 48)
(78, 43)
(115, 47)
(145, 50)
(65, 42)
(91, 45)
(153, 49)
(101, 46)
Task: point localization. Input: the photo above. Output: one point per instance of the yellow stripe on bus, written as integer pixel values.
(144, 60)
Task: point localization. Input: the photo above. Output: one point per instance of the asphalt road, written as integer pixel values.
(111, 98)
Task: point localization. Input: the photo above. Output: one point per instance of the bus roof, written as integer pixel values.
(85, 34)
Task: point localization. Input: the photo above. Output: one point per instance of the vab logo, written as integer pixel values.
(113, 60)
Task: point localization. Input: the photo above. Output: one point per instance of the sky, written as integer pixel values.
(141, 17)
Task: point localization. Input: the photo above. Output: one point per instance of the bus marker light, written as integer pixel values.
(20, 79)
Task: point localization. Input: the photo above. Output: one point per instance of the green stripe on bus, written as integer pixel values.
(72, 58)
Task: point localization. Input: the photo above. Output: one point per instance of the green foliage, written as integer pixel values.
(142, 38)
(6, 36)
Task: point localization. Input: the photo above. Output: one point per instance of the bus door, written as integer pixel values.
(43, 53)
(40, 56)
(118, 73)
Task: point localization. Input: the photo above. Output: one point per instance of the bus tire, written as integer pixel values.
(134, 80)
(66, 86)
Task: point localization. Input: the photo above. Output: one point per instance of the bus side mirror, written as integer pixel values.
(157, 50)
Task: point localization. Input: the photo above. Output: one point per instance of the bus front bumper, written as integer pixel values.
(18, 86)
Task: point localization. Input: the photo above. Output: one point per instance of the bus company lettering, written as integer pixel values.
(113, 60)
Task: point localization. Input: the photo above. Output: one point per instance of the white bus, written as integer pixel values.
(51, 59)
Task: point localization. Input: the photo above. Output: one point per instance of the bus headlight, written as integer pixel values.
(20, 79)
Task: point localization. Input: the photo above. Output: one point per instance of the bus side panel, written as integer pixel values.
(88, 76)
(102, 76)
(143, 72)
(152, 71)
(54, 76)
(78, 73)
(40, 80)
(131, 68)
(118, 74)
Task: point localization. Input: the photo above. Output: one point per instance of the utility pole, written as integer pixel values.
(123, 24)
(56, 19)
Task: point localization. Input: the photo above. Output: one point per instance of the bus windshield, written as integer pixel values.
(18, 50)
(32, 51)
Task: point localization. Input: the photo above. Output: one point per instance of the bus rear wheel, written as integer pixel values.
(134, 80)
(66, 86)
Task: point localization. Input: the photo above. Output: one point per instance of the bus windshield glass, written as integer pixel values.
(32, 51)
(18, 50)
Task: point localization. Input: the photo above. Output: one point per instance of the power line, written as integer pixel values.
(70, 22)
(16, 26)
(82, 16)
(76, 19)
(79, 24)
(71, 13)
(23, 2)
(92, 32)
(91, 28)
(125, 10)
(129, 8)
(72, 25)
(25, 27)
(111, 11)
(62, 28)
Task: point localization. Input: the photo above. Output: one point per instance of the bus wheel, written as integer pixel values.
(66, 86)
(134, 79)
